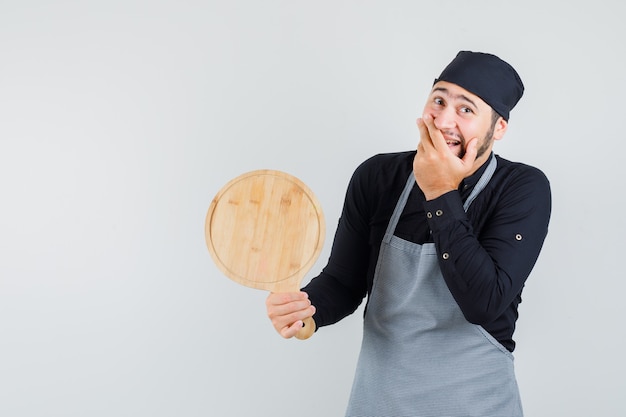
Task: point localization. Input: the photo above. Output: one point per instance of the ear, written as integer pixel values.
(500, 128)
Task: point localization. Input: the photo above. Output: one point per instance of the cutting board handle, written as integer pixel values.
(308, 329)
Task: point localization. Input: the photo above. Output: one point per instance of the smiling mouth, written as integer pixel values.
(455, 143)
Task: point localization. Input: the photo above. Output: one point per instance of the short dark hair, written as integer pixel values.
(494, 117)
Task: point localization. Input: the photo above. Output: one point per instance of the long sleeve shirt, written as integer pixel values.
(485, 255)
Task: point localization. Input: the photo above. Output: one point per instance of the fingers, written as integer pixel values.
(471, 150)
(290, 331)
(434, 135)
(287, 311)
(290, 324)
(425, 140)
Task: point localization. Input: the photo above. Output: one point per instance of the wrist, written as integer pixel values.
(434, 194)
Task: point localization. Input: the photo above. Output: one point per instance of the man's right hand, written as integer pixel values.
(288, 310)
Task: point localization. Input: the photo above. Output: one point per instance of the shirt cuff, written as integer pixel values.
(444, 210)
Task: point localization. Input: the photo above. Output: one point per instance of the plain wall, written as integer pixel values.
(120, 121)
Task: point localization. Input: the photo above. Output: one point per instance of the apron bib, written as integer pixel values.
(419, 355)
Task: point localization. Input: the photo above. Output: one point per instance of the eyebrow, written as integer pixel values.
(456, 96)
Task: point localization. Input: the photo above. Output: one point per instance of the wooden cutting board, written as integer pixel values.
(265, 229)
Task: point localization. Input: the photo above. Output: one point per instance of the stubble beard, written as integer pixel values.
(486, 143)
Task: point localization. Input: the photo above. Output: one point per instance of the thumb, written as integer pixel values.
(471, 151)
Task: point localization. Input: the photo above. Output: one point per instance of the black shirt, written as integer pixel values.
(489, 251)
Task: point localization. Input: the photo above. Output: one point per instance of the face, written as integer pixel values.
(462, 116)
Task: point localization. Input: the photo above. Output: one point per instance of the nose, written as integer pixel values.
(445, 119)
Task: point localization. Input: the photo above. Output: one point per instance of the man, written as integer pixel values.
(441, 241)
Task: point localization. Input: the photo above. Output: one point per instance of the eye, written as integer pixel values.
(466, 110)
(438, 101)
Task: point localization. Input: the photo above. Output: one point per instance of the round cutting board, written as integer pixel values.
(265, 229)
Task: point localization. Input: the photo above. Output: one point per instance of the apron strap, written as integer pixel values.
(482, 182)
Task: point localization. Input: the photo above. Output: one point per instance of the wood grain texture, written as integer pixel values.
(265, 229)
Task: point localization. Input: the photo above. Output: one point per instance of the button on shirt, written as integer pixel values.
(485, 255)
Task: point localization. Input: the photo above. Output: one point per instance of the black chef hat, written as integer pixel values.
(487, 76)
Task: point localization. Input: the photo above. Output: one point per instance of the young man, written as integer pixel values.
(441, 241)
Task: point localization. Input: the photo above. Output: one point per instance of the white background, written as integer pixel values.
(120, 121)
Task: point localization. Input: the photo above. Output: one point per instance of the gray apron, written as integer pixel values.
(419, 355)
